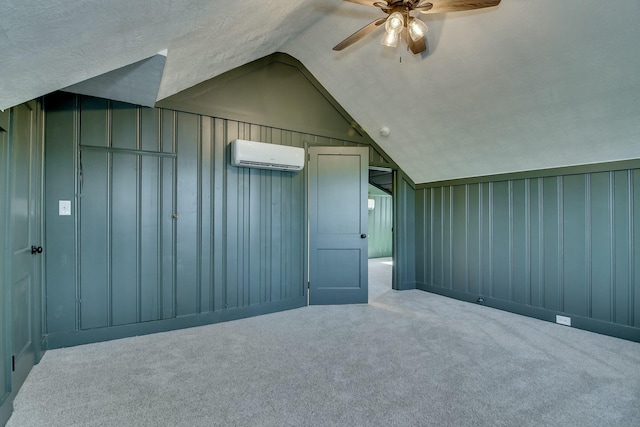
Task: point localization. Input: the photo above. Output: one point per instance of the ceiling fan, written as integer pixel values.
(400, 23)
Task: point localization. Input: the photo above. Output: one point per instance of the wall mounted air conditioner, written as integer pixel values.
(250, 154)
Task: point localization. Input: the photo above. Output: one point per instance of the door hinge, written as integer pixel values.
(308, 285)
(13, 363)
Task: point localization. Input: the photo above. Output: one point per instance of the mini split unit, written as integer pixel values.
(261, 155)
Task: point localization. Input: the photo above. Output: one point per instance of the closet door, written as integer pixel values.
(25, 242)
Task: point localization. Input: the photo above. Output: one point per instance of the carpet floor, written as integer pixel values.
(407, 358)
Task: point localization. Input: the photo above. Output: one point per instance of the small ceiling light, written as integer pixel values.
(390, 39)
(394, 23)
(417, 29)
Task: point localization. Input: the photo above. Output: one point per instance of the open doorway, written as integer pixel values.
(380, 209)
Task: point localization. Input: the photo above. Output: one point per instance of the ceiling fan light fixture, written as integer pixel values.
(417, 29)
(394, 24)
(390, 39)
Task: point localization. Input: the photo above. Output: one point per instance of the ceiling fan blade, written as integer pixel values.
(417, 46)
(360, 34)
(364, 2)
(423, 6)
(382, 5)
(444, 6)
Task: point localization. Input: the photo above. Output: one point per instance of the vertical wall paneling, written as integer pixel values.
(447, 238)
(95, 111)
(631, 248)
(635, 289)
(534, 228)
(437, 246)
(574, 260)
(124, 123)
(61, 159)
(474, 221)
(219, 213)
(459, 232)
(5, 268)
(232, 227)
(560, 184)
(519, 280)
(555, 244)
(205, 215)
(487, 233)
(552, 258)
(188, 187)
(587, 246)
(380, 225)
(94, 240)
(428, 236)
(167, 221)
(622, 231)
(123, 239)
(168, 230)
(501, 254)
(601, 251)
(405, 238)
(149, 232)
(421, 230)
(255, 236)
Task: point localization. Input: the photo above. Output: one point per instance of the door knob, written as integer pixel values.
(36, 250)
(363, 236)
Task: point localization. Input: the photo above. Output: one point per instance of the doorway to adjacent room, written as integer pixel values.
(380, 216)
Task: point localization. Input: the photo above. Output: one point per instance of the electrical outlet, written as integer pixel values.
(563, 320)
(64, 207)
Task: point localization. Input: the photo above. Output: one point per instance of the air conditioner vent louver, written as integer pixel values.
(261, 155)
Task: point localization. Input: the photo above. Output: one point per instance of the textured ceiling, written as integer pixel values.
(526, 85)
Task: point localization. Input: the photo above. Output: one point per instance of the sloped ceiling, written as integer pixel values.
(137, 83)
(525, 85)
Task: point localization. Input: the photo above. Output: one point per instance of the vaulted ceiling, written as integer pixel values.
(521, 86)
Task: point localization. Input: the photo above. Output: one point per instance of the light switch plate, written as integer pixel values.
(64, 207)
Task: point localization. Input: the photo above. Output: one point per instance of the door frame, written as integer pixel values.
(21, 368)
(6, 406)
(393, 172)
(307, 173)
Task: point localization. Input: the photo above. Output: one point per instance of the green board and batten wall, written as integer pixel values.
(539, 243)
(559, 242)
(165, 233)
(380, 224)
(166, 230)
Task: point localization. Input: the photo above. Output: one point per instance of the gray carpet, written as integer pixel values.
(380, 270)
(407, 358)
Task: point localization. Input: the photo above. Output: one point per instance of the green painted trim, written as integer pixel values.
(541, 173)
(407, 178)
(7, 389)
(290, 60)
(577, 322)
(128, 151)
(60, 340)
(6, 409)
(406, 286)
(6, 399)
